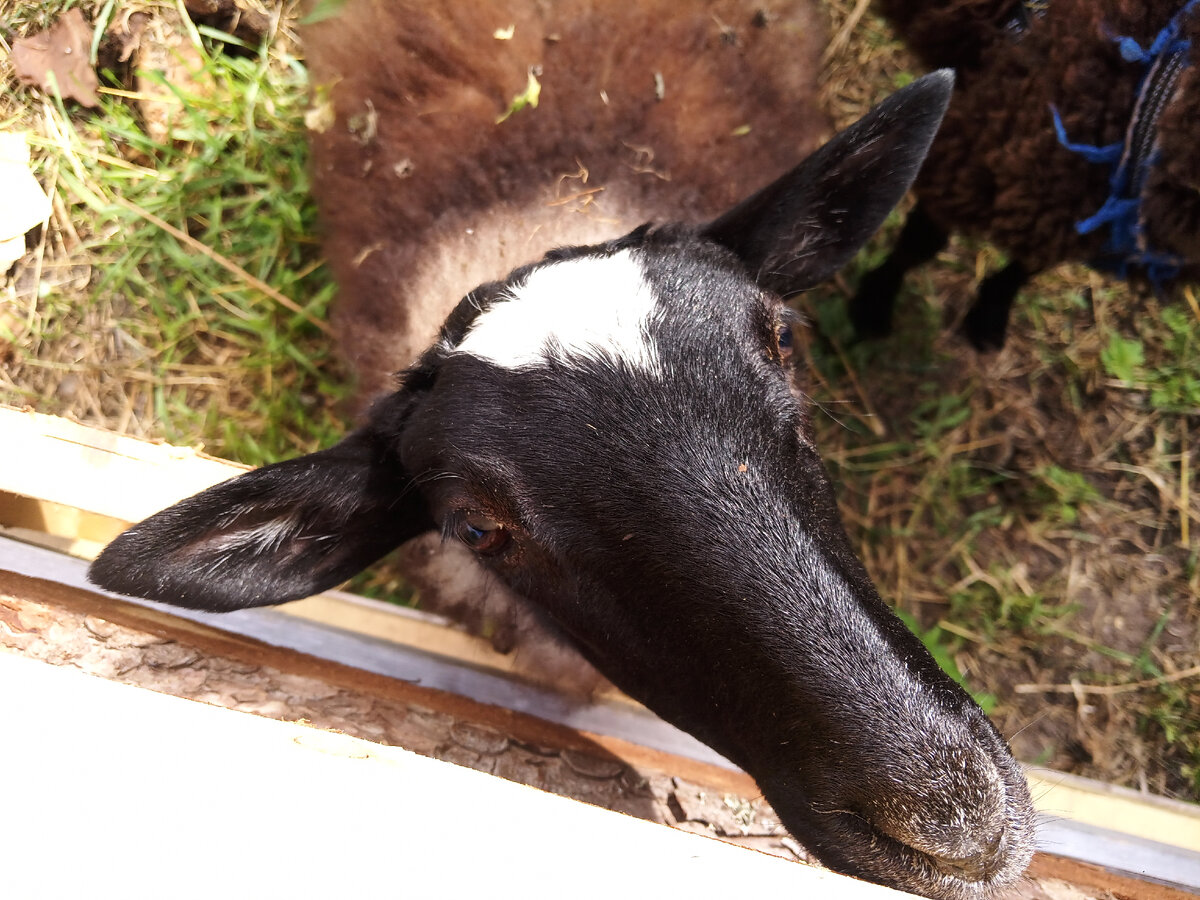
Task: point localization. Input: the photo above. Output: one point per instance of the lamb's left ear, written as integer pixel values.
(800, 229)
(279, 533)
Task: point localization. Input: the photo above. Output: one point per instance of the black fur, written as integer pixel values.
(677, 524)
(335, 512)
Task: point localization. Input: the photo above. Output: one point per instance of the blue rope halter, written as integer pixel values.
(1132, 158)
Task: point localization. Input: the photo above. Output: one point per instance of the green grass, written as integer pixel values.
(1061, 494)
(228, 365)
(238, 184)
(1172, 378)
(31, 16)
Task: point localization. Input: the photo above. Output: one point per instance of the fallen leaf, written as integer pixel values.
(23, 204)
(58, 57)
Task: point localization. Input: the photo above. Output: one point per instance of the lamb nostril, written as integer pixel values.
(966, 869)
(956, 817)
(956, 851)
(980, 866)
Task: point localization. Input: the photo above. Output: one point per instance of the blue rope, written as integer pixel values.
(1127, 244)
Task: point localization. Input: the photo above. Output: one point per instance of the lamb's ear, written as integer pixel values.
(800, 229)
(275, 534)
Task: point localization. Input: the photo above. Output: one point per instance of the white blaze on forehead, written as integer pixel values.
(592, 306)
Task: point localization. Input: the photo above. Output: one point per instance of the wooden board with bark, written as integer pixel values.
(133, 645)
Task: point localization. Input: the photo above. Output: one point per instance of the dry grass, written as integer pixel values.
(1036, 510)
(1042, 513)
(177, 291)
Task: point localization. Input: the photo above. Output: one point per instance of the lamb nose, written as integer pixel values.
(972, 850)
(955, 816)
(979, 866)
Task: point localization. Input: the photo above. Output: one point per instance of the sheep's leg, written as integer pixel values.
(987, 320)
(871, 309)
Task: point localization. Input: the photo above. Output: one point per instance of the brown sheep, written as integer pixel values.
(1000, 168)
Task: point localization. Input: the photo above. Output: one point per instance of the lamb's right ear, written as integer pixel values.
(803, 227)
(279, 533)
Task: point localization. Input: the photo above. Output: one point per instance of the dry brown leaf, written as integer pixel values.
(59, 56)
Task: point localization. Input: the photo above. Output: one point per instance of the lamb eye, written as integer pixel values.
(481, 534)
(783, 340)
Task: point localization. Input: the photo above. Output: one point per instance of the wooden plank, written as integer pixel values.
(272, 625)
(46, 516)
(82, 535)
(1083, 877)
(430, 633)
(114, 792)
(95, 470)
(381, 620)
(66, 529)
(1108, 806)
(147, 648)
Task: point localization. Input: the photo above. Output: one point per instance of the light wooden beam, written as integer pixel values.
(115, 792)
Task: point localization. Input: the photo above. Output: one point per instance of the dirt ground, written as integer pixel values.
(1038, 515)
(1083, 621)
